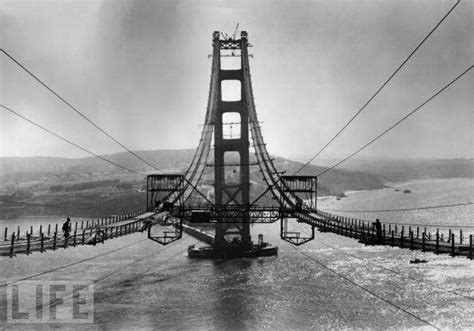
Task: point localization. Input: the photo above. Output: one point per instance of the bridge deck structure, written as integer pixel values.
(82, 233)
(172, 198)
(439, 242)
(94, 232)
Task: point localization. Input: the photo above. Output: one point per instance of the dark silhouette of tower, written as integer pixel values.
(231, 154)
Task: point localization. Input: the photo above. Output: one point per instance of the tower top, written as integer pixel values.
(216, 35)
(229, 42)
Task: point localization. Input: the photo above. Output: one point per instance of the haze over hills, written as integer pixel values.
(163, 159)
(407, 169)
(75, 186)
(354, 174)
(16, 170)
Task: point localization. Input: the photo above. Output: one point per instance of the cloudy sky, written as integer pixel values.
(140, 70)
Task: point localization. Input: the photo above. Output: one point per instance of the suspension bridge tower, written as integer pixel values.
(235, 189)
(232, 211)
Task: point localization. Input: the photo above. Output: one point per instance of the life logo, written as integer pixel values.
(50, 302)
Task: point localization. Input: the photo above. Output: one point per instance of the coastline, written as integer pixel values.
(393, 185)
(424, 180)
(441, 202)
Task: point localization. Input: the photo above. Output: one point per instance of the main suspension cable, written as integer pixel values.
(389, 269)
(68, 104)
(97, 281)
(365, 289)
(77, 110)
(377, 137)
(72, 263)
(379, 89)
(68, 141)
(397, 123)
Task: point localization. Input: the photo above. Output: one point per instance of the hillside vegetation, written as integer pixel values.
(91, 187)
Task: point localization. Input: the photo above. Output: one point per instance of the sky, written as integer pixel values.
(140, 70)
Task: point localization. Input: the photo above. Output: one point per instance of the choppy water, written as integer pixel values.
(147, 286)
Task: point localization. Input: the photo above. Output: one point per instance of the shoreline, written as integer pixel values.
(423, 180)
(429, 203)
(393, 185)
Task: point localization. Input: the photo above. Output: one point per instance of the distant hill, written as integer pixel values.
(336, 181)
(355, 174)
(61, 186)
(407, 169)
(163, 159)
(75, 186)
(18, 170)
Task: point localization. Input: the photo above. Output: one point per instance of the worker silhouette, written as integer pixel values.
(67, 228)
(378, 231)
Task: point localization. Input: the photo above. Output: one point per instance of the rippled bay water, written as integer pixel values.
(148, 286)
